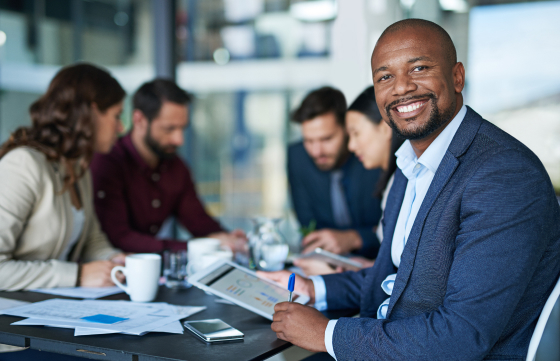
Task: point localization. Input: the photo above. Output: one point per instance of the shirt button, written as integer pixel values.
(156, 203)
(417, 167)
(155, 177)
(100, 194)
(154, 229)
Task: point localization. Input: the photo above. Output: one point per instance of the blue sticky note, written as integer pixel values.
(106, 319)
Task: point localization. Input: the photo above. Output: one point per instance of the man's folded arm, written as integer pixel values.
(505, 229)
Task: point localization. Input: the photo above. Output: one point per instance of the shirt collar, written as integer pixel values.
(431, 158)
(131, 149)
(144, 167)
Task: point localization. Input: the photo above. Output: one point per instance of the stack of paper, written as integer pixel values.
(90, 317)
(81, 292)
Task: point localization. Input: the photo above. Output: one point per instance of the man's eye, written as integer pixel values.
(384, 77)
(419, 68)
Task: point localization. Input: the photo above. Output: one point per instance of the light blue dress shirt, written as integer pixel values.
(420, 173)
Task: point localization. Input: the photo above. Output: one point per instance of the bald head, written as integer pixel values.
(438, 35)
(417, 79)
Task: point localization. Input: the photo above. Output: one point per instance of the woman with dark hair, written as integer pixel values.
(47, 221)
(374, 143)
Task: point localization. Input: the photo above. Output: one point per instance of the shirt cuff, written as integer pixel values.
(329, 337)
(320, 292)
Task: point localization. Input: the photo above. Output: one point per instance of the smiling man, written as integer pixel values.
(329, 185)
(471, 245)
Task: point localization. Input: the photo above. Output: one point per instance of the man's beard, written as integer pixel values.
(160, 151)
(339, 158)
(435, 121)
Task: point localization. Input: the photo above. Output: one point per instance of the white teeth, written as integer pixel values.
(409, 108)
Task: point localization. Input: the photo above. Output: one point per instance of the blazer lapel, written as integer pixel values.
(393, 206)
(460, 143)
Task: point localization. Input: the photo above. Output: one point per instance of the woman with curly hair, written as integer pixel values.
(49, 234)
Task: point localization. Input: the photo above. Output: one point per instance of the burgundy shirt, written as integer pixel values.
(133, 200)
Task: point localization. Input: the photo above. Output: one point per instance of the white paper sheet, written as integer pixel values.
(144, 317)
(81, 292)
(73, 310)
(173, 327)
(6, 303)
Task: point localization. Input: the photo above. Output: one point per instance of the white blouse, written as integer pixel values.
(78, 218)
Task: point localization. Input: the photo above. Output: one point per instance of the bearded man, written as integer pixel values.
(471, 244)
(331, 189)
(142, 182)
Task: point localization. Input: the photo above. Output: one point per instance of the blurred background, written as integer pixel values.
(250, 62)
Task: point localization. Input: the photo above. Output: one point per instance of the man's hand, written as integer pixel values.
(339, 242)
(97, 274)
(303, 286)
(236, 240)
(301, 325)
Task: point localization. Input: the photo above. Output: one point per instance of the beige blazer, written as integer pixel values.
(36, 223)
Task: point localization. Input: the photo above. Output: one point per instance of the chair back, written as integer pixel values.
(541, 323)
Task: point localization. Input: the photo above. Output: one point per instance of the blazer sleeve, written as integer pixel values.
(21, 185)
(370, 242)
(344, 289)
(300, 197)
(506, 219)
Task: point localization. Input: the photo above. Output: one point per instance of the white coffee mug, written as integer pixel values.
(142, 272)
(199, 246)
(206, 259)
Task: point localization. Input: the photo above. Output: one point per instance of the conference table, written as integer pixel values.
(260, 342)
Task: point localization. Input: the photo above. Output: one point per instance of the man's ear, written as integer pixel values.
(139, 121)
(459, 77)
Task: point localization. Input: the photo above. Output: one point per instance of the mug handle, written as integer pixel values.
(115, 280)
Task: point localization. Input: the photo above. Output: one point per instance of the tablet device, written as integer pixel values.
(214, 330)
(333, 259)
(243, 287)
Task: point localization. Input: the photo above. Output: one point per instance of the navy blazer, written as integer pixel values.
(480, 261)
(310, 188)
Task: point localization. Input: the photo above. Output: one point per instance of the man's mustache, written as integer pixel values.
(407, 99)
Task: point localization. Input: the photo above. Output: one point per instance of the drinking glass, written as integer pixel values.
(175, 269)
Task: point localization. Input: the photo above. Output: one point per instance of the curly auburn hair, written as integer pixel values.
(63, 122)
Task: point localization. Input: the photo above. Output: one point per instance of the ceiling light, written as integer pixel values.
(458, 6)
(3, 38)
(317, 10)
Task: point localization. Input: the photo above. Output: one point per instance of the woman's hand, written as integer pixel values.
(312, 267)
(96, 274)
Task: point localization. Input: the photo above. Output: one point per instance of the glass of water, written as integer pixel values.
(175, 269)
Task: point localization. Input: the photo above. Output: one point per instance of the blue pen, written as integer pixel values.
(291, 284)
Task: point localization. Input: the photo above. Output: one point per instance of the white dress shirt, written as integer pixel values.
(420, 173)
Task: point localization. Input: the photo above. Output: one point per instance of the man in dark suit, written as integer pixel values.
(330, 187)
(471, 246)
